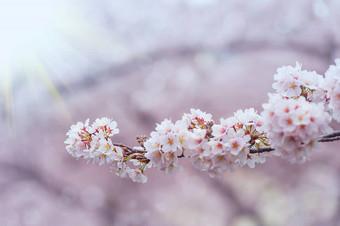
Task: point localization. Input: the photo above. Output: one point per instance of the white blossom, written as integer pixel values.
(293, 82)
(293, 125)
(78, 139)
(136, 175)
(332, 85)
(164, 146)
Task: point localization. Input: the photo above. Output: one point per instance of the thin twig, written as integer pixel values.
(333, 136)
(123, 146)
(261, 150)
(135, 151)
(129, 149)
(329, 139)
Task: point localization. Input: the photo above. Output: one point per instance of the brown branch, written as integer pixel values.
(129, 149)
(261, 150)
(133, 153)
(329, 139)
(136, 153)
(333, 136)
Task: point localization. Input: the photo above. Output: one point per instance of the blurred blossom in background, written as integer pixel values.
(139, 62)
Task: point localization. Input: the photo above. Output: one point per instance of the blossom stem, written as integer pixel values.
(332, 134)
(133, 151)
(325, 138)
(261, 150)
(130, 150)
(329, 139)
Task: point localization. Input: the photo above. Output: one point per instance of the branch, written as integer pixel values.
(261, 150)
(137, 153)
(325, 138)
(329, 139)
(129, 150)
(333, 134)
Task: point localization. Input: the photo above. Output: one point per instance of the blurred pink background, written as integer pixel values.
(140, 62)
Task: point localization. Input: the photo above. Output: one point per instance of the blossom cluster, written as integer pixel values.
(93, 143)
(298, 113)
(332, 85)
(294, 126)
(290, 126)
(240, 133)
(210, 147)
(293, 82)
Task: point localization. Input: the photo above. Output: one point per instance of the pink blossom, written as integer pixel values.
(293, 125)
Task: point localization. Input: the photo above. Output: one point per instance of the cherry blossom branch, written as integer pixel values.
(305, 103)
(261, 150)
(128, 150)
(325, 138)
(331, 135)
(138, 153)
(329, 139)
(133, 153)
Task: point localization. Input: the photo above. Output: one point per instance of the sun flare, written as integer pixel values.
(21, 27)
(29, 34)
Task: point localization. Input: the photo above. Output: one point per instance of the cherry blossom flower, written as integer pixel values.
(78, 139)
(293, 82)
(238, 134)
(197, 119)
(293, 126)
(137, 175)
(332, 85)
(164, 146)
